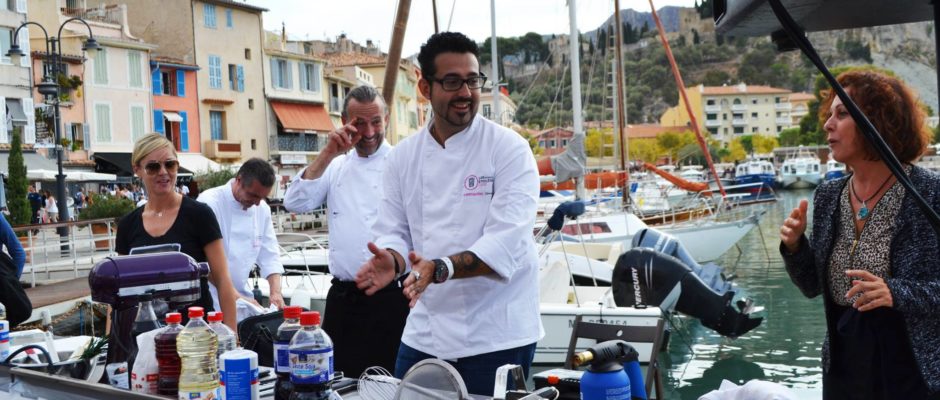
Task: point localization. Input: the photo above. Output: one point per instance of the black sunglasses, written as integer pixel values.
(153, 167)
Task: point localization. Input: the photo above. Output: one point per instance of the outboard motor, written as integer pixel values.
(645, 277)
(667, 244)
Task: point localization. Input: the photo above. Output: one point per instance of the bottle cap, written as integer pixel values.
(552, 379)
(308, 318)
(145, 296)
(174, 318)
(214, 316)
(195, 312)
(292, 312)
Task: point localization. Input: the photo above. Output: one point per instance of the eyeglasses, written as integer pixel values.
(452, 83)
(153, 167)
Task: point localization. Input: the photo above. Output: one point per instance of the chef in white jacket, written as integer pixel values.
(459, 201)
(247, 231)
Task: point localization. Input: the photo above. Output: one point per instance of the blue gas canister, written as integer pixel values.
(606, 378)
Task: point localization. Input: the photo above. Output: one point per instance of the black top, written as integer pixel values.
(195, 227)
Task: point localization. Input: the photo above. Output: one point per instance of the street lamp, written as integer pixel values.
(50, 89)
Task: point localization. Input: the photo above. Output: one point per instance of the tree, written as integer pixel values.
(735, 151)
(645, 150)
(594, 143)
(17, 185)
(790, 137)
(748, 142)
(764, 144)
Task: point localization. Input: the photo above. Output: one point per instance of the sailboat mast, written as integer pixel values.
(685, 100)
(621, 116)
(574, 44)
(495, 62)
(394, 57)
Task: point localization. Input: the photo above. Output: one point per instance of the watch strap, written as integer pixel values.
(450, 267)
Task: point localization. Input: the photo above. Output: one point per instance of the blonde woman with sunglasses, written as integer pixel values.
(169, 217)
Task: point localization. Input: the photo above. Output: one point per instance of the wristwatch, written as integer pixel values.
(443, 269)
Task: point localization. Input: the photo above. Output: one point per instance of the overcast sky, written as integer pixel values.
(373, 19)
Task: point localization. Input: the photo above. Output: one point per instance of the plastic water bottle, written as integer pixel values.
(196, 345)
(223, 332)
(3, 312)
(285, 332)
(168, 360)
(311, 360)
(4, 333)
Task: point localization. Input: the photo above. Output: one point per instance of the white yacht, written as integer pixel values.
(800, 171)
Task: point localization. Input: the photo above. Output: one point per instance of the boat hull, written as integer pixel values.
(800, 181)
(558, 319)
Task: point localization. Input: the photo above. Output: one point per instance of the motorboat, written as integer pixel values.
(834, 169)
(800, 171)
(753, 171)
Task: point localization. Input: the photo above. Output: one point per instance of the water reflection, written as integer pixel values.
(785, 348)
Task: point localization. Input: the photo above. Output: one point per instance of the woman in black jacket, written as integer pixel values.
(872, 254)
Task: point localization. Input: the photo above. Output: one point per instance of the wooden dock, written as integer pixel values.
(53, 293)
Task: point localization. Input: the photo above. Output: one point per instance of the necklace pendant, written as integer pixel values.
(862, 212)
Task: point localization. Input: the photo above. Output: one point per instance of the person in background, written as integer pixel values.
(873, 256)
(12, 245)
(347, 175)
(36, 203)
(169, 218)
(52, 208)
(459, 202)
(247, 229)
(79, 198)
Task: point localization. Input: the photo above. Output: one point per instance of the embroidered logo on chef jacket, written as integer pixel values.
(477, 186)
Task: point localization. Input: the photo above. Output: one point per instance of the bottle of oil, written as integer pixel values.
(196, 345)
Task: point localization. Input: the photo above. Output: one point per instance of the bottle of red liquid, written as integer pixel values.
(168, 360)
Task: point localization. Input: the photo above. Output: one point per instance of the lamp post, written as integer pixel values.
(50, 89)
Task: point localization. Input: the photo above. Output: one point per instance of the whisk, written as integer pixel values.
(376, 383)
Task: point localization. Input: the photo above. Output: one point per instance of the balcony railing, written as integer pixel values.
(712, 123)
(712, 108)
(783, 106)
(296, 142)
(784, 121)
(738, 107)
(108, 14)
(738, 122)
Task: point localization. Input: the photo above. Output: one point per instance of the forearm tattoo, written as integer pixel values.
(467, 264)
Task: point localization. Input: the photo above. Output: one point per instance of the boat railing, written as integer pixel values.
(65, 249)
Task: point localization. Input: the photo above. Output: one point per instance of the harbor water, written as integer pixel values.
(785, 348)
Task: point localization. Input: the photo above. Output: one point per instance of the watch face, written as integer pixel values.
(440, 271)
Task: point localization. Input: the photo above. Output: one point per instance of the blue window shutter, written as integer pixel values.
(275, 73)
(86, 137)
(184, 132)
(228, 18)
(241, 78)
(290, 75)
(158, 122)
(180, 83)
(157, 81)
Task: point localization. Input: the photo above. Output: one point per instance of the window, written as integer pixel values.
(776, 99)
(248, 53)
(310, 77)
(215, 72)
(6, 40)
(737, 101)
(280, 73)
(709, 102)
(134, 71)
(168, 83)
(713, 131)
(103, 123)
(486, 110)
(216, 125)
(711, 117)
(47, 68)
(564, 142)
(254, 144)
(101, 66)
(251, 103)
(738, 130)
(724, 116)
(77, 133)
(208, 11)
(779, 128)
(755, 101)
(138, 128)
(754, 129)
(754, 115)
(551, 143)
(228, 18)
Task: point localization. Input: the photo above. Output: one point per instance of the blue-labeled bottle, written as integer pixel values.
(311, 360)
(285, 332)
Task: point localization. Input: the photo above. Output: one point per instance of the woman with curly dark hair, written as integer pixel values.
(872, 255)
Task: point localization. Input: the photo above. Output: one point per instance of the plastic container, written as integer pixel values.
(3, 312)
(199, 372)
(223, 332)
(4, 339)
(285, 332)
(311, 360)
(168, 360)
(238, 372)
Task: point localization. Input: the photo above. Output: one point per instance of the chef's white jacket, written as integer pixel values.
(248, 237)
(478, 194)
(351, 186)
